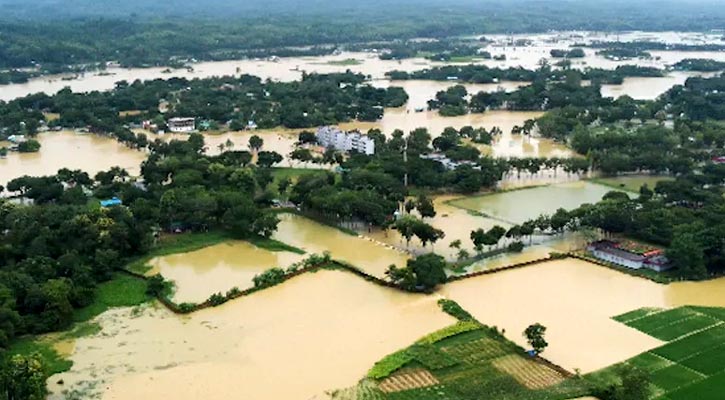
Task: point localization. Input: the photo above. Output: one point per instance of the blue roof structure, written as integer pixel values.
(114, 201)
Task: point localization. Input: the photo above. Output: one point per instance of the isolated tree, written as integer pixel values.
(255, 143)
(425, 207)
(534, 334)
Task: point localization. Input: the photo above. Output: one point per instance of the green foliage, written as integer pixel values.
(270, 277)
(452, 308)
(450, 331)
(390, 364)
(218, 299)
(422, 273)
(534, 335)
(23, 377)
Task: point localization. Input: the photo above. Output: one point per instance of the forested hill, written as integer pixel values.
(59, 33)
(495, 15)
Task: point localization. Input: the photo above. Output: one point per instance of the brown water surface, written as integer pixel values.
(294, 341)
(198, 274)
(575, 300)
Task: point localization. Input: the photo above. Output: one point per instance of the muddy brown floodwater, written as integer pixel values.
(314, 333)
(198, 274)
(313, 237)
(521, 205)
(575, 300)
(87, 152)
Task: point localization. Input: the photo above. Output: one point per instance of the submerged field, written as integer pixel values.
(292, 341)
(517, 206)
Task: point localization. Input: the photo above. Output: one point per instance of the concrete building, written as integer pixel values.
(629, 254)
(181, 125)
(332, 137)
(447, 162)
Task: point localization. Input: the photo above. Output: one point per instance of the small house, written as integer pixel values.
(630, 254)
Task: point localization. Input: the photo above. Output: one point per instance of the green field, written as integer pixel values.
(464, 361)
(692, 364)
(631, 183)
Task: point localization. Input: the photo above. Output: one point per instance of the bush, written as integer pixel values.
(453, 330)
(452, 308)
(269, 278)
(187, 307)
(217, 299)
(515, 247)
(389, 364)
(156, 286)
(233, 292)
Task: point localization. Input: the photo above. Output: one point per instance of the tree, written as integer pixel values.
(686, 253)
(266, 159)
(534, 335)
(255, 143)
(429, 270)
(425, 207)
(23, 378)
(29, 146)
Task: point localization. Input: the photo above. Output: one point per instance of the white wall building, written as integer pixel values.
(180, 125)
(332, 137)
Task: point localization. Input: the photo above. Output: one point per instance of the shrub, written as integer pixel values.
(390, 364)
(453, 330)
(233, 292)
(156, 286)
(217, 299)
(452, 308)
(187, 307)
(515, 247)
(269, 278)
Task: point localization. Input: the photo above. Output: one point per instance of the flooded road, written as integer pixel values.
(313, 237)
(518, 206)
(198, 274)
(87, 152)
(575, 300)
(316, 332)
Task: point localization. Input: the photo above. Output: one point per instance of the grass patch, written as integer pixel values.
(121, 291)
(631, 183)
(672, 324)
(649, 362)
(54, 363)
(274, 245)
(707, 389)
(693, 344)
(636, 314)
(674, 377)
(691, 365)
(710, 362)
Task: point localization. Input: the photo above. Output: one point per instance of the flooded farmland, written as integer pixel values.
(575, 300)
(316, 332)
(87, 152)
(218, 268)
(313, 237)
(517, 206)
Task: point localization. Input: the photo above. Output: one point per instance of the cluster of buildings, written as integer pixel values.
(334, 138)
(630, 254)
(181, 125)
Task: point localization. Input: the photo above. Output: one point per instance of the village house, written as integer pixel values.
(182, 125)
(630, 254)
(447, 162)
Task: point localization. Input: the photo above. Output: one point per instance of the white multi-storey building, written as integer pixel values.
(332, 137)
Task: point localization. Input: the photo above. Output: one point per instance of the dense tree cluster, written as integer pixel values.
(315, 100)
(53, 253)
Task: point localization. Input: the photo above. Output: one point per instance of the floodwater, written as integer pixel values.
(198, 274)
(88, 152)
(316, 332)
(456, 222)
(313, 237)
(575, 300)
(518, 206)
